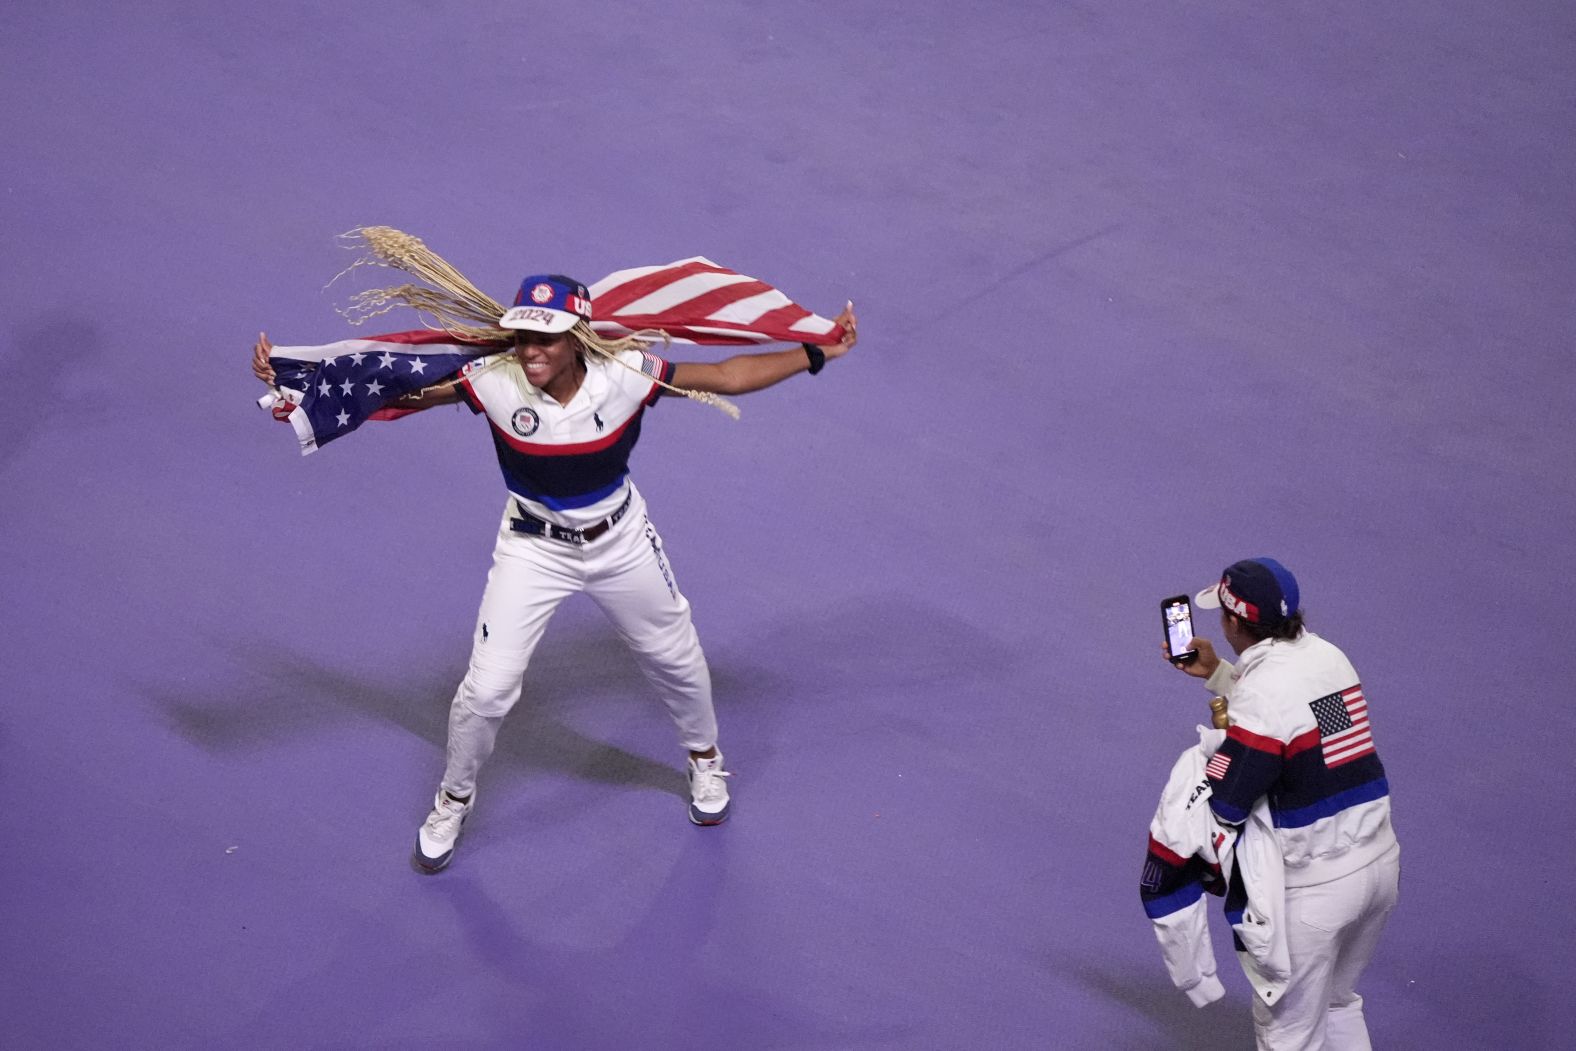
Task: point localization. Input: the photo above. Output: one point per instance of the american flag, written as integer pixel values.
(1218, 764)
(1343, 726)
(339, 387)
(696, 301)
(650, 364)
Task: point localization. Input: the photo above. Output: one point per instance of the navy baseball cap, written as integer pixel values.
(548, 303)
(1259, 590)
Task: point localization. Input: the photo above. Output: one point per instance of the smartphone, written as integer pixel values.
(1177, 613)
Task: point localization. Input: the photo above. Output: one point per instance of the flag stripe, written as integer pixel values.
(694, 333)
(752, 310)
(783, 318)
(815, 325)
(721, 332)
(1338, 758)
(696, 295)
(614, 293)
(1359, 729)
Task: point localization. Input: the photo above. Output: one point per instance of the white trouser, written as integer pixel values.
(1331, 931)
(626, 572)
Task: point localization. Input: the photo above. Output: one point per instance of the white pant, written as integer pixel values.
(626, 572)
(1332, 930)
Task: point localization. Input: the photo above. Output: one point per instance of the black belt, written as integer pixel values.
(529, 523)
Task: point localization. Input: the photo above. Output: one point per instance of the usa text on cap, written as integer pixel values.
(1259, 590)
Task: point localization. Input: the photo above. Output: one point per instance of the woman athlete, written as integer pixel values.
(564, 406)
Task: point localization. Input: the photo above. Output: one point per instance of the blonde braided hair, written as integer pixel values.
(465, 311)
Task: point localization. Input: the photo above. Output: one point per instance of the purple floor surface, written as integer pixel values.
(1144, 289)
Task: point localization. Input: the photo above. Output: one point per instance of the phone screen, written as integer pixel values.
(1178, 616)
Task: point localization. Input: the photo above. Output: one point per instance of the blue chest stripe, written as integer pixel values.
(565, 503)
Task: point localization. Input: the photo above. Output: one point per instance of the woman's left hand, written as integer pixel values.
(850, 324)
(261, 368)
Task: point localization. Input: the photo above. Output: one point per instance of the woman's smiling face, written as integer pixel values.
(548, 358)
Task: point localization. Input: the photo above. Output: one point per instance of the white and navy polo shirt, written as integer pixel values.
(567, 464)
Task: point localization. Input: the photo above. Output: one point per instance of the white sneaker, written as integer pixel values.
(439, 833)
(708, 791)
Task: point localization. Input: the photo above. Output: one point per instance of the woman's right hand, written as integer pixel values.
(260, 365)
(1202, 668)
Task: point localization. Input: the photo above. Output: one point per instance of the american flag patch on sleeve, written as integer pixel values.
(651, 365)
(1217, 766)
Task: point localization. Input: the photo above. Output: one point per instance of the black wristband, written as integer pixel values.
(816, 355)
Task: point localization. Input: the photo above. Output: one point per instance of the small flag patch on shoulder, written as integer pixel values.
(1217, 767)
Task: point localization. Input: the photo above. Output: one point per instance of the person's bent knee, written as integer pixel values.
(489, 695)
(678, 645)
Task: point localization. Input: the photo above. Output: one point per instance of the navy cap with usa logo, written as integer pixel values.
(548, 303)
(1259, 590)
